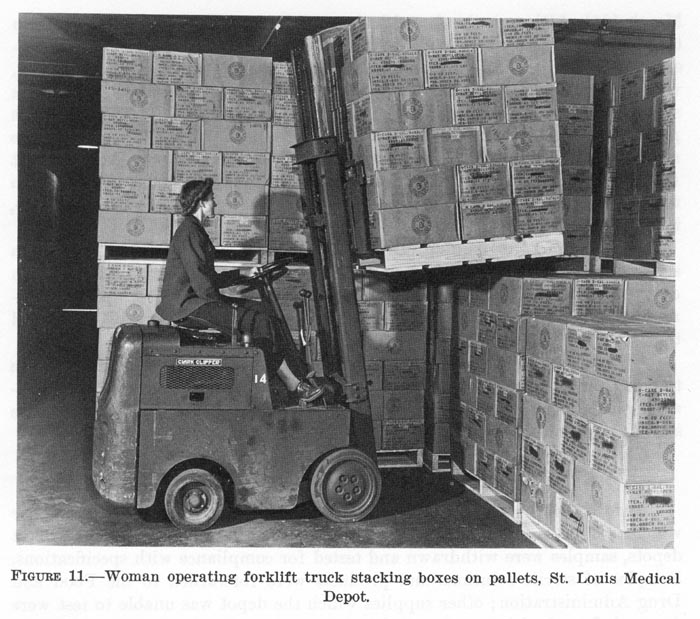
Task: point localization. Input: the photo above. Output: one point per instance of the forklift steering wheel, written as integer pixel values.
(272, 270)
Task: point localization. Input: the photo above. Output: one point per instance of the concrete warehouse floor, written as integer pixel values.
(58, 505)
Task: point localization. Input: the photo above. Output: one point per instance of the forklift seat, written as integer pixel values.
(198, 329)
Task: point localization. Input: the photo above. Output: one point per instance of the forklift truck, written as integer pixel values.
(189, 420)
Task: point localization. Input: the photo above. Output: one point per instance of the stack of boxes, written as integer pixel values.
(637, 146)
(169, 117)
(575, 100)
(456, 123)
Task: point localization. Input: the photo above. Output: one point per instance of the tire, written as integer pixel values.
(194, 500)
(346, 485)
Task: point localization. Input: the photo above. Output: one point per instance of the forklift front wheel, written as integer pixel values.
(346, 485)
(194, 500)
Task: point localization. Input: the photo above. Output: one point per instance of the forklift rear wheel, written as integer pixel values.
(346, 485)
(194, 500)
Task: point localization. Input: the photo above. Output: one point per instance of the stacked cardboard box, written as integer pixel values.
(639, 186)
(575, 100)
(456, 123)
(288, 230)
(598, 425)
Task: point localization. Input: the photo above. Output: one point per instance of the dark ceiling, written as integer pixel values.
(60, 56)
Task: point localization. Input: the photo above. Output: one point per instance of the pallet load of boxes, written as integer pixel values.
(549, 392)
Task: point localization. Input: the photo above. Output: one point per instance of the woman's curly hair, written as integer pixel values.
(192, 192)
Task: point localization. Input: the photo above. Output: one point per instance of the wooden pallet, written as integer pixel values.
(541, 535)
(157, 254)
(394, 459)
(507, 506)
(644, 267)
(440, 255)
(437, 463)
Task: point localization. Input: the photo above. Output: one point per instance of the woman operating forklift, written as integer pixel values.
(191, 297)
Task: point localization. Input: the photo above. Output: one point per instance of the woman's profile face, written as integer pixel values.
(208, 206)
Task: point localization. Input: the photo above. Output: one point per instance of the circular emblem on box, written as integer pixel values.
(545, 338)
(134, 312)
(604, 401)
(663, 298)
(503, 293)
(135, 227)
(412, 108)
(499, 437)
(136, 164)
(670, 457)
(672, 360)
(234, 199)
(519, 65)
(541, 417)
(418, 185)
(597, 491)
(421, 225)
(522, 141)
(138, 97)
(410, 30)
(393, 346)
(236, 70)
(237, 134)
(539, 500)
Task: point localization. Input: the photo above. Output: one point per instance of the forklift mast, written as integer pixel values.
(338, 239)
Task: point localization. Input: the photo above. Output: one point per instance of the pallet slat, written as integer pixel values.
(406, 458)
(539, 534)
(508, 507)
(437, 463)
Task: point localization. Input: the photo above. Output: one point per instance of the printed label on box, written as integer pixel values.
(566, 389)
(176, 133)
(527, 32)
(246, 168)
(478, 358)
(401, 149)
(244, 231)
(536, 177)
(510, 333)
(484, 182)
(526, 104)
(451, 68)
(487, 327)
(199, 102)
(475, 32)
(598, 296)
(127, 65)
(546, 296)
(576, 438)
(535, 458)
(123, 195)
(537, 215)
(189, 164)
(561, 474)
(121, 279)
(165, 197)
(485, 396)
(126, 130)
(538, 379)
(479, 105)
(576, 119)
(392, 71)
(573, 524)
(487, 219)
(285, 110)
(509, 405)
(177, 68)
(580, 348)
(247, 104)
(451, 145)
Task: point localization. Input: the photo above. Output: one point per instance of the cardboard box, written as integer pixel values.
(236, 136)
(576, 438)
(486, 396)
(627, 507)
(405, 315)
(244, 231)
(628, 149)
(517, 65)
(371, 315)
(576, 150)
(632, 458)
(126, 130)
(511, 333)
(486, 219)
(113, 311)
(577, 242)
(135, 163)
(572, 523)
(658, 144)
(631, 86)
(246, 168)
(123, 195)
(389, 150)
(575, 119)
(487, 327)
(451, 68)
(538, 379)
(580, 347)
(412, 187)
(286, 204)
(597, 295)
(577, 181)
(242, 199)
(535, 459)
(283, 139)
(283, 81)
(530, 296)
(561, 474)
(370, 34)
(474, 32)
(479, 105)
(404, 376)
(485, 465)
(289, 234)
(602, 535)
(133, 228)
(514, 141)
(650, 297)
(503, 440)
(636, 358)
(413, 226)
(211, 226)
(237, 71)
(575, 89)
(467, 386)
(177, 133)
(383, 72)
(538, 215)
(199, 102)
(534, 103)
(403, 405)
(382, 287)
(507, 478)
(119, 279)
(538, 500)
(566, 388)
(543, 422)
(658, 211)
(636, 117)
(506, 368)
(660, 78)
(285, 110)
(476, 426)
(394, 345)
(509, 405)
(484, 182)
(177, 68)
(127, 65)
(154, 285)
(402, 435)
(527, 32)
(285, 173)
(453, 145)
(536, 177)
(478, 358)
(546, 339)
(189, 164)
(164, 197)
(247, 104)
